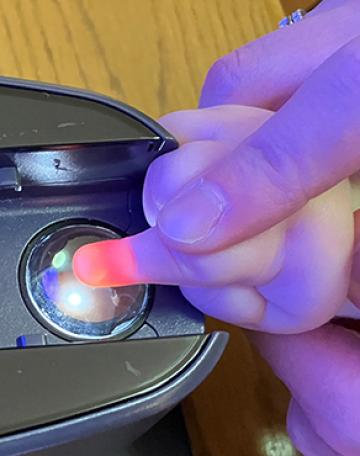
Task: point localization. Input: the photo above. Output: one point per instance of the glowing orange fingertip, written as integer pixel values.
(106, 264)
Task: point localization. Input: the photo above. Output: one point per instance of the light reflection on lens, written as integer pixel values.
(60, 260)
(76, 301)
(276, 444)
(70, 307)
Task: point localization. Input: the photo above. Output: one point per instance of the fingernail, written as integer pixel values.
(151, 203)
(193, 214)
(156, 176)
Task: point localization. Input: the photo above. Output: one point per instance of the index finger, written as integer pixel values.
(142, 258)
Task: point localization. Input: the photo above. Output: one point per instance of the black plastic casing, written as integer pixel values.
(72, 156)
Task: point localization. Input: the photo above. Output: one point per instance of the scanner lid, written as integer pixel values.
(52, 135)
(41, 385)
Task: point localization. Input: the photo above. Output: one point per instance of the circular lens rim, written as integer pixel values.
(125, 329)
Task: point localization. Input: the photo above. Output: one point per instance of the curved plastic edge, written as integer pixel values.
(169, 142)
(123, 414)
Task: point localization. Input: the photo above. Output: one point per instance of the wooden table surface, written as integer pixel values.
(154, 54)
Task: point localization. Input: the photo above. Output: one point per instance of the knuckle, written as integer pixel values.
(167, 119)
(282, 175)
(351, 53)
(224, 77)
(347, 74)
(171, 120)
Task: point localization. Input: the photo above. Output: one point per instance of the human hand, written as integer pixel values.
(323, 222)
(316, 356)
(303, 150)
(320, 367)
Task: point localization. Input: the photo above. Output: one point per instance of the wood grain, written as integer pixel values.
(154, 55)
(240, 410)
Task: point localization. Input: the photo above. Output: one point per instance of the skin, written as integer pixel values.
(230, 268)
(274, 174)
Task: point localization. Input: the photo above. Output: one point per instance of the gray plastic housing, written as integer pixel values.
(68, 155)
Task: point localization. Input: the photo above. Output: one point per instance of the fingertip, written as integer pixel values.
(133, 260)
(106, 264)
(84, 267)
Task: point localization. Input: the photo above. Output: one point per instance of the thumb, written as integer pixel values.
(303, 150)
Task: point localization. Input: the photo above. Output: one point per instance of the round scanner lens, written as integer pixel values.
(66, 306)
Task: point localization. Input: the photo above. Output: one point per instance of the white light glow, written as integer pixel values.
(277, 444)
(75, 300)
